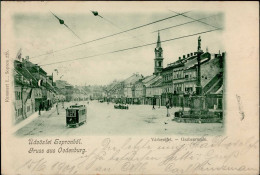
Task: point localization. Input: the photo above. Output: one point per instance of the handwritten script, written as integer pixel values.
(139, 156)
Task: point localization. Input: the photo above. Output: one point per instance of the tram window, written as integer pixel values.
(71, 113)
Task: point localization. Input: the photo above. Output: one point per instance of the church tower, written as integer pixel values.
(158, 61)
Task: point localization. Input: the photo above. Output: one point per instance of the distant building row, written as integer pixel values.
(175, 81)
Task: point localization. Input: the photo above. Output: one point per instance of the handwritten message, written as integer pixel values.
(150, 155)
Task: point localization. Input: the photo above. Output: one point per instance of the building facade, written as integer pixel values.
(32, 87)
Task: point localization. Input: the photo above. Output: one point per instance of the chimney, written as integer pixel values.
(183, 56)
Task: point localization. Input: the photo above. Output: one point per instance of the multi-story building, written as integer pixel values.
(24, 84)
(139, 91)
(150, 91)
(141, 94)
(43, 90)
(129, 87)
(154, 91)
(167, 81)
(32, 87)
(185, 78)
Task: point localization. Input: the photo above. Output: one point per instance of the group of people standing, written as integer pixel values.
(47, 105)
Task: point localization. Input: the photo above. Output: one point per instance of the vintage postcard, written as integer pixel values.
(129, 87)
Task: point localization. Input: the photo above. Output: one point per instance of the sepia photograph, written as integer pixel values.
(159, 72)
(129, 87)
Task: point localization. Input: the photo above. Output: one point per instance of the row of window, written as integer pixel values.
(19, 112)
(18, 95)
(188, 89)
(169, 89)
(190, 75)
(167, 77)
(180, 87)
(178, 74)
(28, 108)
(72, 113)
(82, 112)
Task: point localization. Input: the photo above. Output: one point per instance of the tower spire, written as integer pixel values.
(158, 40)
(158, 61)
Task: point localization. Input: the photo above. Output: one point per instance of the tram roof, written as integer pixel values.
(77, 106)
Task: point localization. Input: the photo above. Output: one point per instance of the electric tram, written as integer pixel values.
(76, 115)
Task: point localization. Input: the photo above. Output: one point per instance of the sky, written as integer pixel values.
(39, 33)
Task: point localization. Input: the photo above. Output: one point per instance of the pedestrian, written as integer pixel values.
(40, 108)
(63, 104)
(153, 103)
(45, 106)
(167, 104)
(57, 108)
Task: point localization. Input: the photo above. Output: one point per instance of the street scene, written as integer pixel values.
(161, 74)
(100, 121)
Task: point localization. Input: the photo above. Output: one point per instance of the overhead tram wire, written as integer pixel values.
(113, 24)
(130, 48)
(62, 22)
(195, 20)
(198, 20)
(112, 35)
(167, 28)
